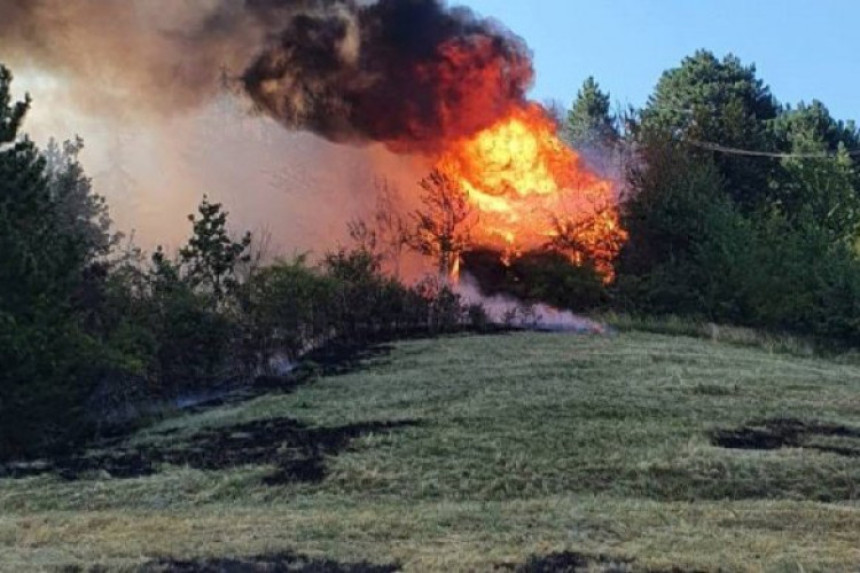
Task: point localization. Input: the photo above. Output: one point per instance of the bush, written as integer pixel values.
(539, 276)
(49, 368)
(288, 310)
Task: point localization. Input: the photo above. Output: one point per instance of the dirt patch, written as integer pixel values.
(281, 562)
(297, 450)
(777, 433)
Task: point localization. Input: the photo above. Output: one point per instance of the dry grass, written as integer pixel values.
(526, 445)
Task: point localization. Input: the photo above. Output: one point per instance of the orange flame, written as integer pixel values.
(531, 191)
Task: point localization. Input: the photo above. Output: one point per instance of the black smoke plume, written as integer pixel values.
(408, 73)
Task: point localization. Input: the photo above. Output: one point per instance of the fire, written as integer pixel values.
(531, 191)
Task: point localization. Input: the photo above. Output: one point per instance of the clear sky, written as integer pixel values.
(803, 49)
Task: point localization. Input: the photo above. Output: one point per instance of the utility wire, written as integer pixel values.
(776, 155)
(753, 152)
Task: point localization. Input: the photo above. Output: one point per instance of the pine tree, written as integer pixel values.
(39, 260)
(589, 120)
(211, 256)
(720, 102)
(45, 357)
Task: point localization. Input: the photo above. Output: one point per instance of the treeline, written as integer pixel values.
(85, 316)
(739, 209)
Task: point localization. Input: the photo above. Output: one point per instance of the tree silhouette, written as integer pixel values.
(443, 225)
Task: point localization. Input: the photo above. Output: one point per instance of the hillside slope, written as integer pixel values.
(479, 453)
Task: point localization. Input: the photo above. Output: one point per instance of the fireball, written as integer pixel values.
(531, 191)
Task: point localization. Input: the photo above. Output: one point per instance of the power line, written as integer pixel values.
(773, 154)
(753, 152)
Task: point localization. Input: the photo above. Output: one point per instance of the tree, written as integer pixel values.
(819, 183)
(83, 213)
(706, 102)
(391, 228)
(442, 227)
(46, 359)
(193, 303)
(822, 191)
(211, 256)
(689, 247)
(813, 121)
(589, 120)
(11, 115)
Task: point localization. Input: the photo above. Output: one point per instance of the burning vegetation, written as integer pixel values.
(531, 192)
(424, 79)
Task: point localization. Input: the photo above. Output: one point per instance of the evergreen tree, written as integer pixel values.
(83, 213)
(814, 121)
(211, 256)
(821, 191)
(44, 355)
(589, 120)
(707, 102)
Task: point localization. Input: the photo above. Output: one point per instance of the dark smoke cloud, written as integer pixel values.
(408, 73)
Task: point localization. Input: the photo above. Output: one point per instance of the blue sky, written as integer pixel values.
(803, 49)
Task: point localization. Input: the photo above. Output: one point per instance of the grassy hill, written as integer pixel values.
(510, 452)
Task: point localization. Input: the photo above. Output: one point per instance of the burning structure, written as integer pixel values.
(416, 76)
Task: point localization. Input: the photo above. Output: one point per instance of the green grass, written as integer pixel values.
(526, 444)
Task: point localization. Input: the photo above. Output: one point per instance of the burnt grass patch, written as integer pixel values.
(568, 562)
(777, 433)
(297, 451)
(573, 562)
(338, 358)
(276, 563)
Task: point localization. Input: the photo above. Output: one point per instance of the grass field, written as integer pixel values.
(479, 453)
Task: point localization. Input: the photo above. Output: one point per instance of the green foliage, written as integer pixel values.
(289, 310)
(39, 261)
(292, 307)
(719, 102)
(49, 365)
(693, 252)
(84, 214)
(193, 338)
(589, 120)
(806, 282)
(48, 361)
(819, 190)
(730, 236)
(175, 322)
(443, 308)
(822, 192)
(813, 121)
(688, 246)
(11, 115)
(368, 305)
(211, 255)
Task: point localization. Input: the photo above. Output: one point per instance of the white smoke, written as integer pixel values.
(508, 311)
